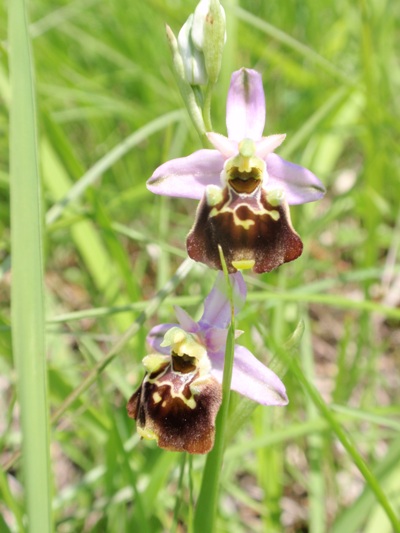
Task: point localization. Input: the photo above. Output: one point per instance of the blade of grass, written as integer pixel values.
(302, 49)
(109, 159)
(359, 462)
(335, 300)
(174, 525)
(8, 499)
(353, 517)
(317, 514)
(27, 284)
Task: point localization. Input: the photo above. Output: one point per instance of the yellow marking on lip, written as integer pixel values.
(244, 264)
(189, 402)
(246, 224)
(156, 397)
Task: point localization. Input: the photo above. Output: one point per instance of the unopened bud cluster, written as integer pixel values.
(197, 55)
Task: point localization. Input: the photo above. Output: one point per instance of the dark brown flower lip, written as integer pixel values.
(178, 400)
(254, 230)
(177, 410)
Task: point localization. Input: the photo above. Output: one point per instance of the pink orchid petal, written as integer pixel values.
(187, 177)
(215, 339)
(156, 336)
(245, 108)
(186, 322)
(227, 147)
(299, 184)
(268, 144)
(217, 310)
(251, 378)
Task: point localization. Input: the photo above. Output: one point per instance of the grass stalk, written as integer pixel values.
(28, 320)
(359, 462)
(317, 513)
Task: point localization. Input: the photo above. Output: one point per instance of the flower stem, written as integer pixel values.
(206, 509)
(207, 107)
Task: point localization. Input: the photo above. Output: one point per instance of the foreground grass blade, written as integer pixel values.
(27, 282)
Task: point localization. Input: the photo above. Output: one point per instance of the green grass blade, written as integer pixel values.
(352, 518)
(359, 462)
(27, 284)
(317, 513)
(109, 159)
(302, 49)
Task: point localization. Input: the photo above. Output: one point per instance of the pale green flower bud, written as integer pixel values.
(193, 59)
(185, 88)
(208, 35)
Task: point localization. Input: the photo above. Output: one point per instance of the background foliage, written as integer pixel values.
(109, 113)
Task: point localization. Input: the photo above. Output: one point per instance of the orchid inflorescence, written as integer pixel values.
(245, 190)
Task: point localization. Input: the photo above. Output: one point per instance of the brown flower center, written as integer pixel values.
(183, 363)
(244, 182)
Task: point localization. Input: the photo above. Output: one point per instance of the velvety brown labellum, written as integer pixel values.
(178, 419)
(247, 227)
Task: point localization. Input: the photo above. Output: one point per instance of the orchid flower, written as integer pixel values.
(245, 189)
(180, 395)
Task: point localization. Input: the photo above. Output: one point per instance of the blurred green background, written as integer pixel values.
(109, 113)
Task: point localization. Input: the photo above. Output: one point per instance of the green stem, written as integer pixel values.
(206, 509)
(207, 108)
(28, 321)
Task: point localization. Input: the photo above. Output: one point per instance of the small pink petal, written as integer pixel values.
(250, 377)
(299, 184)
(185, 321)
(156, 336)
(268, 144)
(225, 146)
(217, 309)
(187, 177)
(245, 108)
